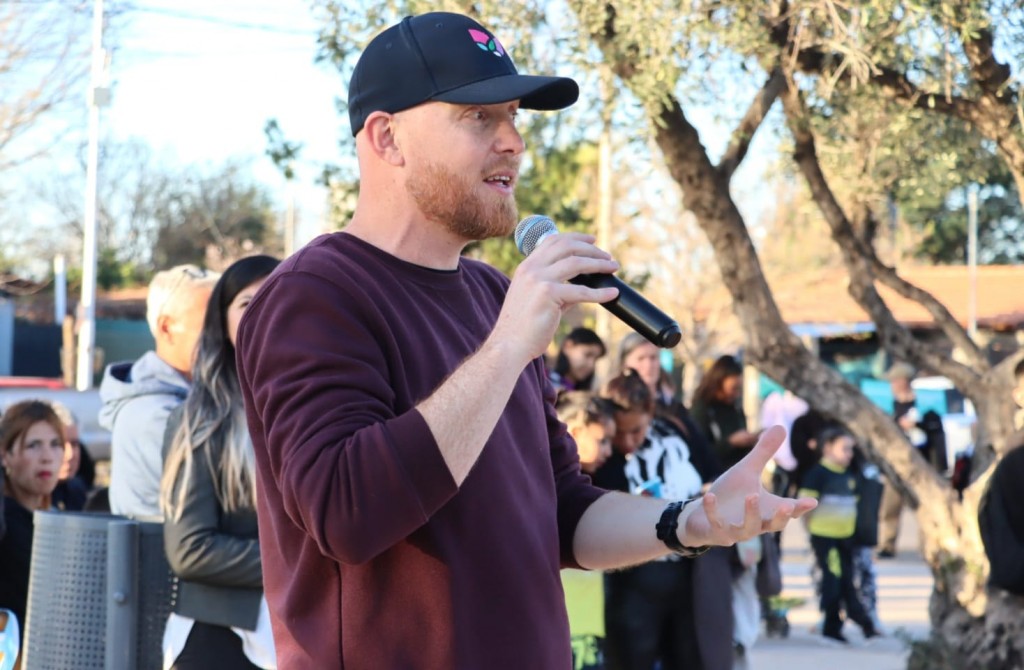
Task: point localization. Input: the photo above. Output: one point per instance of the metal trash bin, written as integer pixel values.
(100, 591)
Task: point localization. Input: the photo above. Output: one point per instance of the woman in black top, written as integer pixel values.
(716, 410)
(32, 450)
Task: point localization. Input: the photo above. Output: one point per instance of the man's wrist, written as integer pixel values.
(670, 529)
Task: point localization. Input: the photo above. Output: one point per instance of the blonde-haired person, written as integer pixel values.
(31, 450)
(208, 497)
(139, 396)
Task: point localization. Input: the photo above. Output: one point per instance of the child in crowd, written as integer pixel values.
(591, 422)
(577, 360)
(865, 537)
(831, 526)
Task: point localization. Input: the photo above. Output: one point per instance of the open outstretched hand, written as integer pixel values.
(737, 506)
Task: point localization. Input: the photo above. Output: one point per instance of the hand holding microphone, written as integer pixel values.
(631, 307)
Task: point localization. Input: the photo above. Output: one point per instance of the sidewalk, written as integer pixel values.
(904, 587)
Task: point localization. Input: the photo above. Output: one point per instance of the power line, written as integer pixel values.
(217, 20)
(152, 54)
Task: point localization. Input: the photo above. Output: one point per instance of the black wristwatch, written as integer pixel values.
(668, 526)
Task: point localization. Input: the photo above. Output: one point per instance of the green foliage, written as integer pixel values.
(887, 155)
(220, 214)
(280, 150)
(111, 272)
(877, 152)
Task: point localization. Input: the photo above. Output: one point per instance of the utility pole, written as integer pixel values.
(60, 289)
(602, 321)
(99, 96)
(289, 218)
(972, 262)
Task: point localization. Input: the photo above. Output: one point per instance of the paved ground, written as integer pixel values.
(905, 584)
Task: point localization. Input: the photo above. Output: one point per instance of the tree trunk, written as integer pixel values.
(959, 607)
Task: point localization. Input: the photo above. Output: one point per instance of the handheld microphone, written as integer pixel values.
(632, 308)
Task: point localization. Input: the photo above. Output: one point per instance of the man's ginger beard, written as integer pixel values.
(452, 200)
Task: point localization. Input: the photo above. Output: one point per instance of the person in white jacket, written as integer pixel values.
(139, 396)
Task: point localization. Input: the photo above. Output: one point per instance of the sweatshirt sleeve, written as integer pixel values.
(574, 489)
(354, 475)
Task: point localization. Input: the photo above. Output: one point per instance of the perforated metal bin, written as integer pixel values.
(100, 591)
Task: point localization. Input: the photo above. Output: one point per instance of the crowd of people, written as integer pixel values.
(659, 445)
(665, 613)
(632, 432)
(360, 457)
(181, 455)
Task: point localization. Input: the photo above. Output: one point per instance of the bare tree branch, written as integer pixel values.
(861, 265)
(751, 121)
(990, 75)
(864, 223)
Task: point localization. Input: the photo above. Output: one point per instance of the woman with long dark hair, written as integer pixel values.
(717, 411)
(208, 496)
(577, 360)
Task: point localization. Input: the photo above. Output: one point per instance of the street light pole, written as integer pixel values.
(99, 96)
(602, 320)
(972, 262)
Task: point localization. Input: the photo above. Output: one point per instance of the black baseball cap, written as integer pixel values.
(449, 58)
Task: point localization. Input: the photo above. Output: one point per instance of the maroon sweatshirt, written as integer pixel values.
(372, 556)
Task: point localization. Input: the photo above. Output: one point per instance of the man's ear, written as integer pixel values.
(380, 129)
(165, 327)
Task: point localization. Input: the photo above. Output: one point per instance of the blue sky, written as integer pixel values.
(198, 81)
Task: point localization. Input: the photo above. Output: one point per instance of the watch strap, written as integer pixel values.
(667, 530)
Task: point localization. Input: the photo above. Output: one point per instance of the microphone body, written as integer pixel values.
(629, 306)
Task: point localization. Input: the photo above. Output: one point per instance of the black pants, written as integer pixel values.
(649, 616)
(835, 558)
(212, 648)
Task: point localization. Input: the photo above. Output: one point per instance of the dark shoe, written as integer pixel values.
(835, 637)
(886, 553)
(870, 632)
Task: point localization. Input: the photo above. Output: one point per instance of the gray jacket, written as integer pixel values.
(137, 399)
(214, 553)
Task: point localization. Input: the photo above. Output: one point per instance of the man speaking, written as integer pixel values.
(417, 494)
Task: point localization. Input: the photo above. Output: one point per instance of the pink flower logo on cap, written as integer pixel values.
(487, 43)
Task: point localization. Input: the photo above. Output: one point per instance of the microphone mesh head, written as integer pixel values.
(531, 231)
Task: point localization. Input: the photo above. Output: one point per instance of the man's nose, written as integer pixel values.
(510, 140)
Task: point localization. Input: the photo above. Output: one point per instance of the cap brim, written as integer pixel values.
(532, 92)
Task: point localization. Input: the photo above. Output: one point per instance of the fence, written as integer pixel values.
(100, 591)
